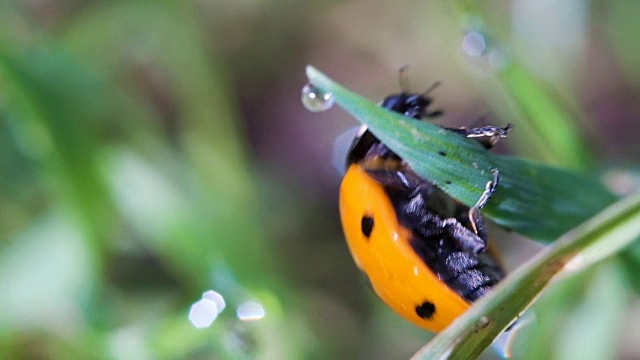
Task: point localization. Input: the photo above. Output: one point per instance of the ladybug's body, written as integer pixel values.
(423, 252)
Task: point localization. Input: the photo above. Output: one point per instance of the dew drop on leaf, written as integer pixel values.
(315, 100)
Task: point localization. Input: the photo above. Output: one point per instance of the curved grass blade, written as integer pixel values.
(462, 172)
(609, 232)
(536, 200)
(541, 201)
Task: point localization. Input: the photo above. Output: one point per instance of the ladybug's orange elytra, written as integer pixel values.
(396, 272)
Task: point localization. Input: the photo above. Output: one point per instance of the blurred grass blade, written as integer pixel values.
(211, 157)
(559, 138)
(595, 326)
(609, 231)
(551, 131)
(53, 101)
(536, 200)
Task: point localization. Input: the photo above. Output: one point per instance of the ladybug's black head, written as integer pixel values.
(412, 105)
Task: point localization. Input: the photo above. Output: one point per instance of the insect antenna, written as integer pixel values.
(431, 88)
(403, 79)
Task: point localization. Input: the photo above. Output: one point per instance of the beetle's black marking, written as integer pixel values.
(448, 182)
(442, 153)
(366, 224)
(426, 310)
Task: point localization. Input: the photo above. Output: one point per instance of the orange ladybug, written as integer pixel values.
(424, 253)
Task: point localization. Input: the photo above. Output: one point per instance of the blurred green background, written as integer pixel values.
(152, 150)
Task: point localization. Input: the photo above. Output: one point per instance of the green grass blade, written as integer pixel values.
(536, 200)
(541, 201)
(558, 136)
(462, 173)
(55, 105)
(610, 231)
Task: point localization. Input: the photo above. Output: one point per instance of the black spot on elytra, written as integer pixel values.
(426, 310)
(366, 224)
(442, 153)
(448, 182)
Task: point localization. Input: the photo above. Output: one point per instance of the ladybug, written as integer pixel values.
(424, 253)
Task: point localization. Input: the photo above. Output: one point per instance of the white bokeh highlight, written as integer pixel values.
(215, 297)
(250, 311)
(205, 311)
(202, 313)
(474, 43)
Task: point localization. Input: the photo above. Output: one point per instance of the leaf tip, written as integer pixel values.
(311, 72)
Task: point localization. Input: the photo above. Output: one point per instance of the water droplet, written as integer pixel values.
(315, 100)
(202, 313)
(250, 311)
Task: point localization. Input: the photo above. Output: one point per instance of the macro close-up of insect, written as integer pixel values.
(211, 179)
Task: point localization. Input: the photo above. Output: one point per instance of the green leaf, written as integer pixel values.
(609, 232)
(534, 199)
(541, 201)
(463, 172)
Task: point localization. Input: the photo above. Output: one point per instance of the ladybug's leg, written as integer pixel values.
(465, 239)
(489, 189)
(478, 226)
(488, 136)
(475, 217)
(434, 114)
